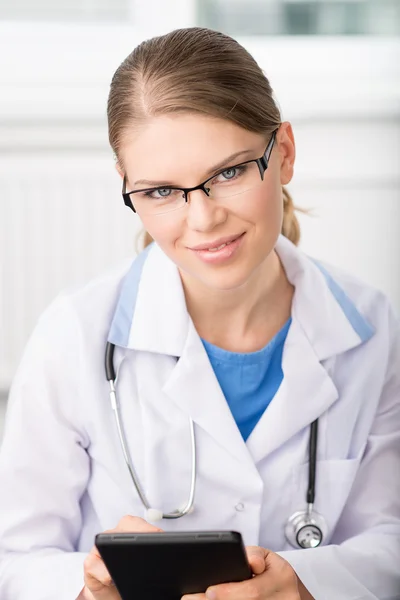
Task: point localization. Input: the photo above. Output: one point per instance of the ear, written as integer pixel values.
(119, 169)
(287, 152)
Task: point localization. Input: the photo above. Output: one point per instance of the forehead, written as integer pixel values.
(184, 146)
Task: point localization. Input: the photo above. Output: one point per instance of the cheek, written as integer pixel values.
(265, 207)
(164, 229)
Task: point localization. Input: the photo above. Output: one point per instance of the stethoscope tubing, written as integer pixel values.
(111, 377)
(300, 520)
(312, 455)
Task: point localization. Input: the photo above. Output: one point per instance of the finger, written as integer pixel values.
(257, 559)
(194, 597)
(96, 575)
(256, 587)
(104, 594)
(129, 524)
(278, 576)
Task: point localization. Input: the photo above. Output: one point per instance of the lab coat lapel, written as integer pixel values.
(306, 392)
(325, 323)
(194, 387)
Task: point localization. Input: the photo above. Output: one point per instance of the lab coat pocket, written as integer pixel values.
(334, 480)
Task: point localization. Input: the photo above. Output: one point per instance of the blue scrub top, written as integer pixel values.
(249, 380)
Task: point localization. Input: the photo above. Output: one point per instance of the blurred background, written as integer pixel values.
(335, 69)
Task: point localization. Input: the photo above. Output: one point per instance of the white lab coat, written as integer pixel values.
(62, 473)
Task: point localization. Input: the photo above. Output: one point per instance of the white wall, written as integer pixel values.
(61, 216)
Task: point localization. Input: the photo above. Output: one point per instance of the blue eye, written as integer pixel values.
(159, 193)
(230, 173)
(164, 192)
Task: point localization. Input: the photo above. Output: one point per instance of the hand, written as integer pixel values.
(273, 577)
(98, 583)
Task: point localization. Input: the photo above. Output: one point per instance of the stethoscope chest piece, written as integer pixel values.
(306, 529)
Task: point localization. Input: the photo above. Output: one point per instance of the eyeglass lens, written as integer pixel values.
(231, 182)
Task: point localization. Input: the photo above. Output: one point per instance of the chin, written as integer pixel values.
(224, 279)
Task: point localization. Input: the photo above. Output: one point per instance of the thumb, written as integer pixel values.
(256, 557)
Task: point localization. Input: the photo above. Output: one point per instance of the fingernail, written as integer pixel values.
(210, 594)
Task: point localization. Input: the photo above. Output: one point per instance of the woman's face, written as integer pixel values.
(183, 150)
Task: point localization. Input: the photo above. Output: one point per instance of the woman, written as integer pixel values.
(224, 323)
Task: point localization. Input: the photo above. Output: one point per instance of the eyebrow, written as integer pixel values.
(214, 169)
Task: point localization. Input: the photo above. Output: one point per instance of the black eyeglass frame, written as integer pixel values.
(261, 162)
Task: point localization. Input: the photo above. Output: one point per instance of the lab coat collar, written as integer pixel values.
(328, 317)
(151, 313)
(151, 316)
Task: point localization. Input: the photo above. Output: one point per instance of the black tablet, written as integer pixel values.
(165, 566)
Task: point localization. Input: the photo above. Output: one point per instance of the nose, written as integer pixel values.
(204, 214)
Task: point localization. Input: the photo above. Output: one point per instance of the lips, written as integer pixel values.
(216, 245)
(220, 251)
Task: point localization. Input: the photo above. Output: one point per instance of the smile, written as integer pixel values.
(219, 252)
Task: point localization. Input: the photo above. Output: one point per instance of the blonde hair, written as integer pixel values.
(194, 70)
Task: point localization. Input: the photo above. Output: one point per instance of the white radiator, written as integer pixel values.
(62, 221)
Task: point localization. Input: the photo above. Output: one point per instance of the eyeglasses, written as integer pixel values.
(231, 181)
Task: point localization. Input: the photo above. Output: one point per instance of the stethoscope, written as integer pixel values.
(304, 529)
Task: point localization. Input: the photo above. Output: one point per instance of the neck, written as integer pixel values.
(246, 318)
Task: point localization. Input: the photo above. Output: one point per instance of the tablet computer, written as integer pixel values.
(166, 566)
